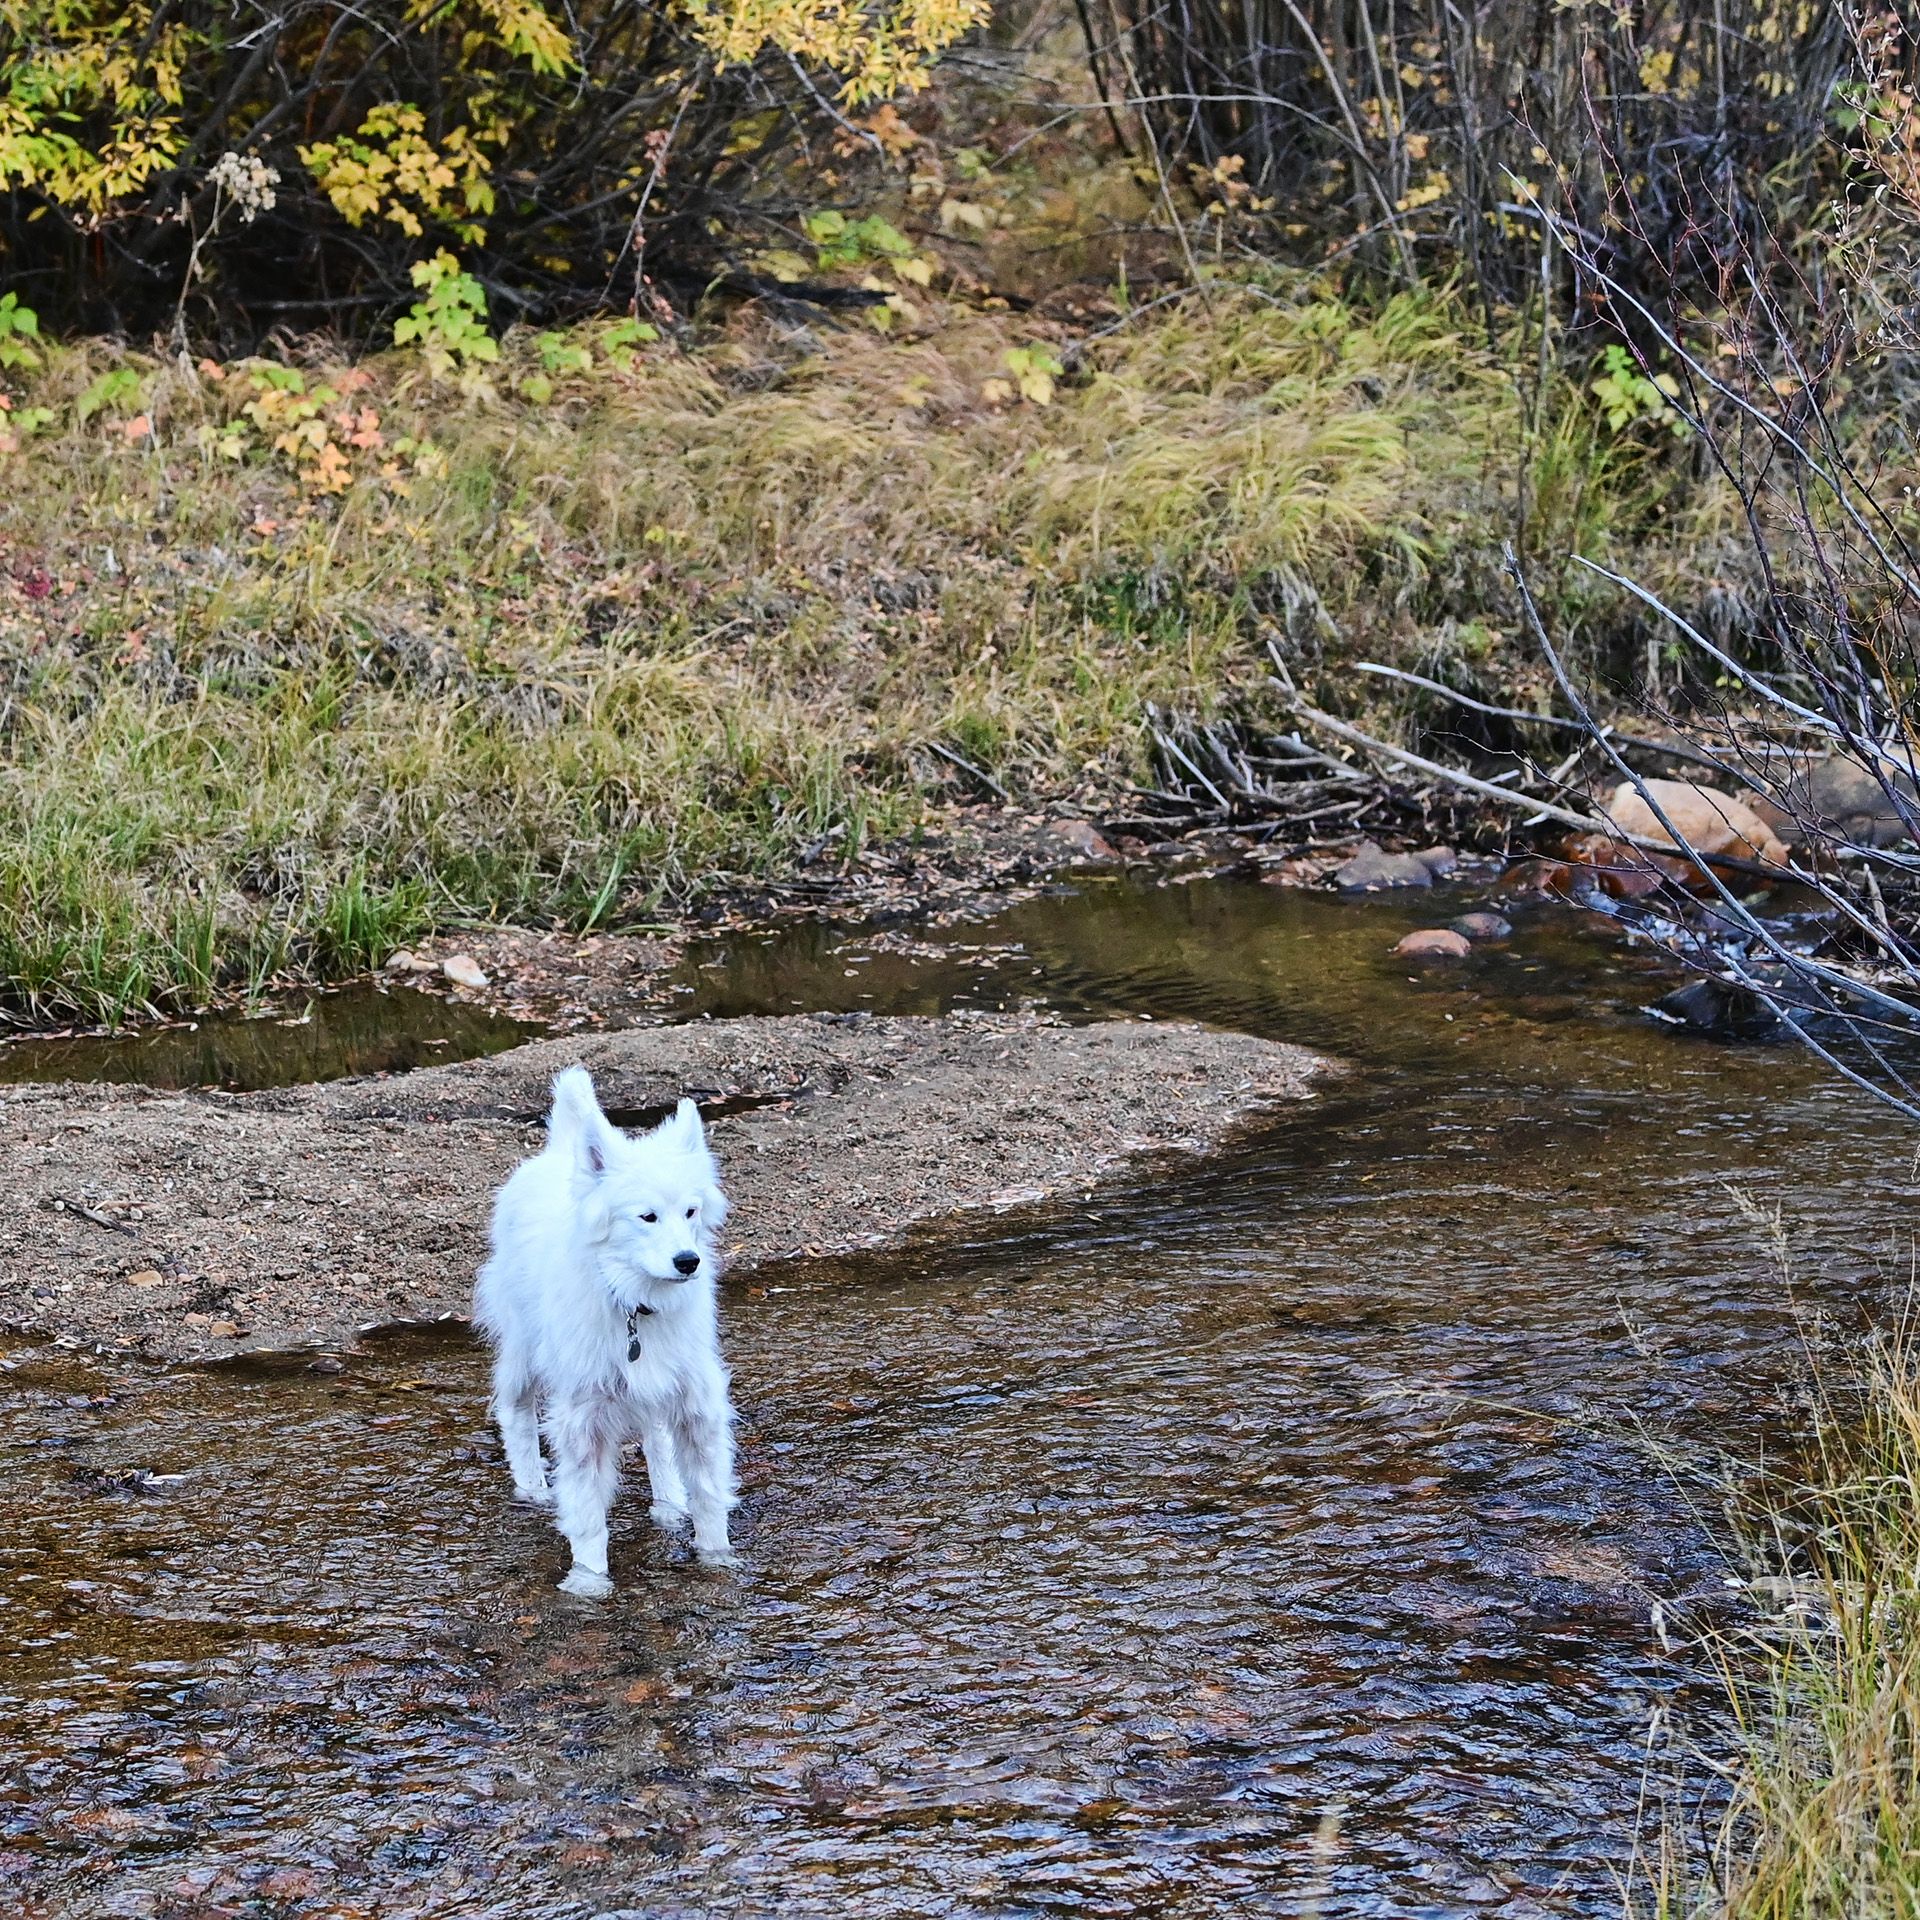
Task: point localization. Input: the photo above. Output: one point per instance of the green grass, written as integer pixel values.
(580, 660)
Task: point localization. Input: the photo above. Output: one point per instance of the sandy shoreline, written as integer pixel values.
(185, 1225)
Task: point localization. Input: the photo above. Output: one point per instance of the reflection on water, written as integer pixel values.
(355, 1030)
(1276, 1538)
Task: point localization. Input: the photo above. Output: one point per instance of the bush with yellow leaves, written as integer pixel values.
(239, 166)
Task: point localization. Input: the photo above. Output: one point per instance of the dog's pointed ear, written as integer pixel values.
(577, 1126)
(684, 1128)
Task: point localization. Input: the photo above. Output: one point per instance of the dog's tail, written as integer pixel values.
(576, 1125)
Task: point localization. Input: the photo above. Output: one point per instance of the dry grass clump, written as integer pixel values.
(1823, 1692)
(281, 684)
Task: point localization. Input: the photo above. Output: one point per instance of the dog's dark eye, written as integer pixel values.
(691, 1211)
(649, 1218)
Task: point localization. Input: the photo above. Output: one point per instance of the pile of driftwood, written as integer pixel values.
(1229, 779)
(1279, 787)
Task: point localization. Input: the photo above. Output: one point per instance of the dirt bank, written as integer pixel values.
(188, 1224)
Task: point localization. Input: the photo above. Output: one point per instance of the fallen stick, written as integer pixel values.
(1172, 747)
(1539, 719)
(1452, 776)
(1301, 751)
(93, 1216)
(966, 766)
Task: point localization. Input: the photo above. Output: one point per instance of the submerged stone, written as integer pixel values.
(1083, 839)
(1722, 1008)
(1372, 870)
(1483, 926)
(1434, 943)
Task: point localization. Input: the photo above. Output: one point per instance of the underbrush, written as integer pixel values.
(301, 658)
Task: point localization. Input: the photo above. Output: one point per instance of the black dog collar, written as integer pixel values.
(640, 1312)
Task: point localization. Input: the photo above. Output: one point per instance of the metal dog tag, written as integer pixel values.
(633, 1333)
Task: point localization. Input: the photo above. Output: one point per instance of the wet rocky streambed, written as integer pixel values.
(1278, 1535)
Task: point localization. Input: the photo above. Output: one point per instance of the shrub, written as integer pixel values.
(290, 161)
(1420, 137)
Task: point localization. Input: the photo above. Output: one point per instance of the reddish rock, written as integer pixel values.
(1434, 943)
(1636, 883)
(1627, 873)
(1709, 821)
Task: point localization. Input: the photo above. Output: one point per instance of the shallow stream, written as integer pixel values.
(1279, 1536)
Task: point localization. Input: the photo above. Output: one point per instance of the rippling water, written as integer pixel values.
(1280, 1537)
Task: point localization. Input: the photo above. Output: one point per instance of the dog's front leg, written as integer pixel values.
(586, 1473)
(703, 1440)
(515, 1412)
(663, 1472)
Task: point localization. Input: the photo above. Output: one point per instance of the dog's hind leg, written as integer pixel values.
(703, 1440)
(663, 1472)
(586, 1474)
(516, 1413)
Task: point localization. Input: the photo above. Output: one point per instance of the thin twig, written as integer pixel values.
(966, 766)
(1166, 190)
(866, 135)
(1169, 745)
(1525, 718)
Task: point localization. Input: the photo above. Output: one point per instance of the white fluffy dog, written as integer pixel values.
(599, 1302)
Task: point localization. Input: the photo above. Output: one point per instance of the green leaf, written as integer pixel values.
(114, 389)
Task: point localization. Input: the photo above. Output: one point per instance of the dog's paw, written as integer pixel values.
(541, 1496)
(720, 1556)
(668, 1518)
(584, 1584)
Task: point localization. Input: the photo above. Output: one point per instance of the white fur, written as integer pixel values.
(583, 1233)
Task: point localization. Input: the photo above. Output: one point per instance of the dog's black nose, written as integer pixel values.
(686, 1263)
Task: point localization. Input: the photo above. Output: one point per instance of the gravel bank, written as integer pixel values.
(184, 1225)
